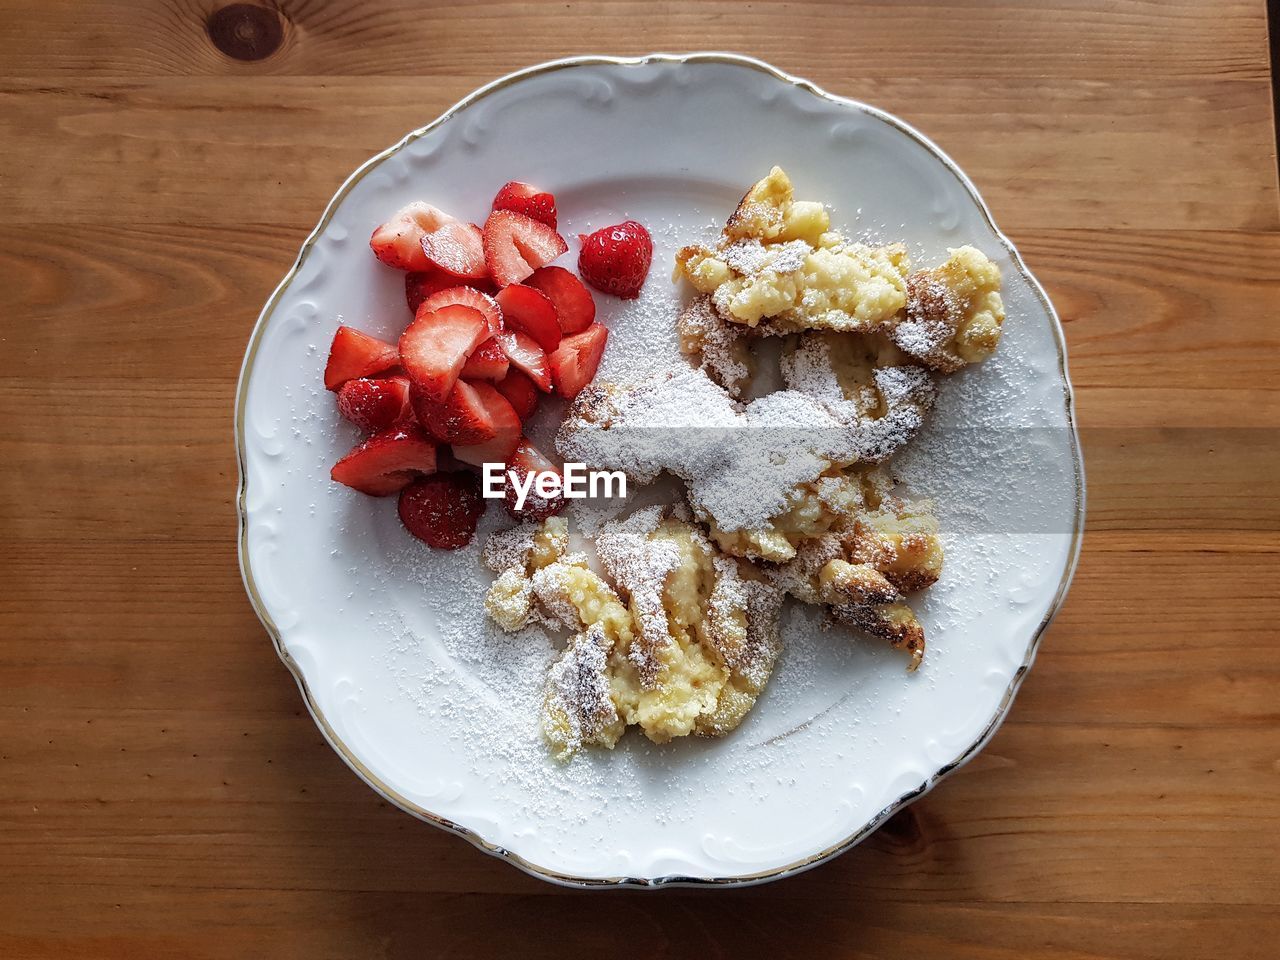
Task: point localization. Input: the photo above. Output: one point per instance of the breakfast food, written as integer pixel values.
(616, 259)
(791, 485)
(779, 267)
(684, 643)
(466, 373)
(667, 616)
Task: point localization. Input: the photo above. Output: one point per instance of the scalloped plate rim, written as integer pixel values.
(474, 837)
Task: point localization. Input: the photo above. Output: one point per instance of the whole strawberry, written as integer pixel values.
(616, 259)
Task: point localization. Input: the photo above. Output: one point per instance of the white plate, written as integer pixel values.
(436, 710)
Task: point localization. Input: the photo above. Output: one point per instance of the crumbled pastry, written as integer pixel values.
(900, 539)
(778, 268)
(683, 645)
(786, 493)
(744, 464)
(812, 509)
(706, 637)
(777, 259)
(859, 559)
(516, 555)
(768, 211)
(579, 709)
(866, 383)
(954, 312)
(719, 346)
(894, 622)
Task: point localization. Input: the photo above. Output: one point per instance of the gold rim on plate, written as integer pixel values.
(478, 841)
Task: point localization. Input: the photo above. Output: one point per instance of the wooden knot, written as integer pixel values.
(904, 828)
(244, 31)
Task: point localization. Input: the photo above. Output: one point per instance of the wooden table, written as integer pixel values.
(163, 792)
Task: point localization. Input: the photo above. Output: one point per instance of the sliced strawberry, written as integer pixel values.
(375, 405)
(520, 197)
(437, 344)
(457, 248)
(398, 242)
(529, 459)
(487, 362)
(575, 307)
(521, 392)
(467, 296)
(446, 462)
(442, 511)
(516, 245)
(525, 355)
(506, 427)
(419, 286)
(355, 354)
(462, 417)
(616, 259)
(387, 461)
(575, 363)
(529, 310)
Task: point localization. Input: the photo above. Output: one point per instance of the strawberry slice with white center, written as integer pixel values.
(520, 393)
(467, 296)
(355, 354)
(419, 285)
(487, 362)
(375, 405)
(506, 430)
(387, 461)
(398, 242)
(463, 417)
(525, 198)
(436, 345)
(575, 306)
(516, 245)
(529, 459)
(442, 511)
(456, 247)
(529, 310)
(526, 356)
(577, 359)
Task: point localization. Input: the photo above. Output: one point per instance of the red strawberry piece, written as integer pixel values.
(398, 242)
(375, 405)
(443, 510)
(525, 355)
(457, 248)
(520, 392)
(437, 344)
(387, 461)
(516, 245)
(467, 296)
(616, 259)
(529, 459)
(575, 307)
(575, 362)
(523, 198)
(506, 427)
(419, 286)
(355, 354)
(462, 417)
(488, 362)
(528, 310)
(446, 461)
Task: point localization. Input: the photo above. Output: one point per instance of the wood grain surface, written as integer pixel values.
(163, 792)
